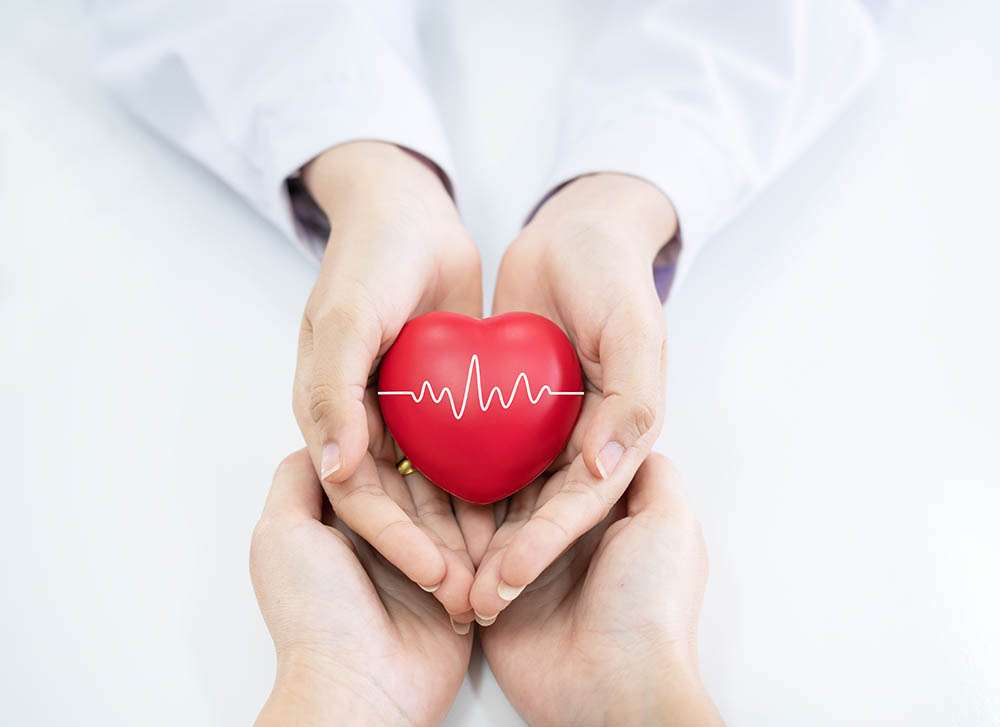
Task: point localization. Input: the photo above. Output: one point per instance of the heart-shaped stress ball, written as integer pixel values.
(480, 407)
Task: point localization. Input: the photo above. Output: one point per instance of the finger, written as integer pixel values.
(633, 366)
(383, 573)
(580, 504)
(430, 508)
(395, 487)
(340, 343)
(477, 525)
(462, 623)
(592, 399)
(566, 572)
(484, 597)
(295, 491)
(658, 488)
(362, 503)
(453, 592)
(434, 513)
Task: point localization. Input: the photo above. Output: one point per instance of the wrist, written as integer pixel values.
(366, 177)
(627, 212)
(314, 692)
(667, 695)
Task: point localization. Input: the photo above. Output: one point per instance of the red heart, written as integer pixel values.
(480, 407)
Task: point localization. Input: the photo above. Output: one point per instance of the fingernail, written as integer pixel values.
(430, 589)
(460, 629)
(608, 458)
(330, 461)
(508, 592)
(486, 620)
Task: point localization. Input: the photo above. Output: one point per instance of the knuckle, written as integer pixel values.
(584, 490)
(321, 402)
(344, 504)
(436, 511)
(385, 533)
(327, 402)
(336, 315)
(554, 523)
(642, 418)
(347, 317)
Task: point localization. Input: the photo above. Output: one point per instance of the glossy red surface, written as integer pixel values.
(480, 407)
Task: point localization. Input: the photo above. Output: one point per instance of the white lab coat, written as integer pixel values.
(707, 100)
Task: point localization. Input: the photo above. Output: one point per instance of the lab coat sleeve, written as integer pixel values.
(256, 89)
(709, 100)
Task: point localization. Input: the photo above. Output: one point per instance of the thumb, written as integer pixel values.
(632, 356)
(658, 487)
(337, 350)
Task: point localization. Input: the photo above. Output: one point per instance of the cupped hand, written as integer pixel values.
(608, 633)
(357, 642)
(397, 249)
(585, 261)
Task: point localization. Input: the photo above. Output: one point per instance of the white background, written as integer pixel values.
(833, 395)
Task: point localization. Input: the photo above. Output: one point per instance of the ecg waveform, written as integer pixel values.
(426, 389)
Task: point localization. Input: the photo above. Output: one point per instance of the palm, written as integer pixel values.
(355, 608)
(626, 593)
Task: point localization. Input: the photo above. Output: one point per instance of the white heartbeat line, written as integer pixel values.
(427, 389)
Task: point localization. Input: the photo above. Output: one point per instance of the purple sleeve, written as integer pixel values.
(665, 265)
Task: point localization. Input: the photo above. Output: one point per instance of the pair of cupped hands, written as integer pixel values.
(586, 589)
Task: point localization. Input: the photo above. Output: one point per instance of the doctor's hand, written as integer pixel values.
(585, 261)
(397, 249)
(356, 641)
(608, 633)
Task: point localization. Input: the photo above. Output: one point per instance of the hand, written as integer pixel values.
(397, 249)
(356, 642)
(608, 633)
(585, 261)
